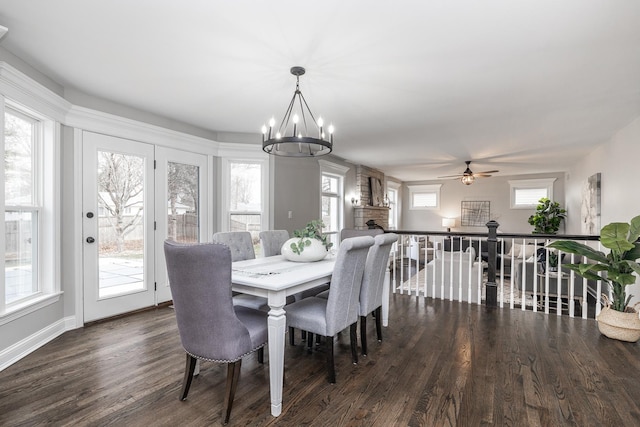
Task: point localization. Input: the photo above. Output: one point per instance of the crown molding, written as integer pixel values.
(19, 87)
(22, 89)
(238, 150)
(100, 122)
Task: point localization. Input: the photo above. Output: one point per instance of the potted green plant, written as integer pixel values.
(617, 319)
(553, 261)
(548, 217)
(307, 244)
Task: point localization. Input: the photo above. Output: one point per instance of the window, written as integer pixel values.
(425, 196)
(332, 199)
(245, 198)
(244, 191)
(392, 194)
(525, 193)
(28, 257)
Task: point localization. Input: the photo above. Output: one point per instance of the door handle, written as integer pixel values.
(90, 239)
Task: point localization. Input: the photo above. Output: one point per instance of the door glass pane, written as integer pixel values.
(19, 255)
(183, 207)
(121, 219)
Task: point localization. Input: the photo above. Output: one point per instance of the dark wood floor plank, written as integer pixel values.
(441, 363)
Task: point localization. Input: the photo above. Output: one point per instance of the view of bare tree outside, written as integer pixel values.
(120, 201)
(18, 167)
(183, 209)
(21, 210)
(246, 186)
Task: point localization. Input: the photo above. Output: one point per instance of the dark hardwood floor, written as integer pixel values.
(441, 363)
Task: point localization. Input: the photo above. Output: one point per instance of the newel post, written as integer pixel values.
(492, 244)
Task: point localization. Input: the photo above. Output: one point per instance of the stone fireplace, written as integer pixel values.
(367, 209)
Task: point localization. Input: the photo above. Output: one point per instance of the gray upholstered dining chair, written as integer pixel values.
(373, 285)
(327, 317)
(211, 328)
(347, 233)
(272, 241)
(241, 245)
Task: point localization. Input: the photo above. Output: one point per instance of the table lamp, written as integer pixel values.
(448, 223)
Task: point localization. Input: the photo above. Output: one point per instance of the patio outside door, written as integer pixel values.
(118, 222)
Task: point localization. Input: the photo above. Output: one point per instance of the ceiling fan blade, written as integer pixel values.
(481, 175)
(451, 176)
(486, 172)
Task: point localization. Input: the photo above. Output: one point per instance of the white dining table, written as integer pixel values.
(275, 278)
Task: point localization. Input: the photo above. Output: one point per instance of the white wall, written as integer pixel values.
(617, 161)
(297, 189)
(496, 190)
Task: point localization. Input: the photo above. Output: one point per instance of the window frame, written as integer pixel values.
(424, 189)
(394, 207)
(529, 184)
(340, 172)
(45, 204)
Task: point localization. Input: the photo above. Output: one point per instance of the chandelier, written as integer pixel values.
(299, 133)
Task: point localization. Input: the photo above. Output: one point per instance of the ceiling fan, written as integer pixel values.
(467, 177)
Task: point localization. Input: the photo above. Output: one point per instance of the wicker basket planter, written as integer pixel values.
(619, 325)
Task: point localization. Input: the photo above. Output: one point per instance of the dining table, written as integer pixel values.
(276, 278)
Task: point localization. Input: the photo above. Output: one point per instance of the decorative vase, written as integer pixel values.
(314, 252)
(619, 325)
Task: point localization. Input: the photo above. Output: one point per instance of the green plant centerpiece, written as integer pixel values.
(548, 217)
(307, 244)
(615, 268)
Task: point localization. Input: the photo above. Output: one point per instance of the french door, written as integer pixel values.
(181, 206)
(129, 209)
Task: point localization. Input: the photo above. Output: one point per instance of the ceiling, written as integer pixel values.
(414, 88)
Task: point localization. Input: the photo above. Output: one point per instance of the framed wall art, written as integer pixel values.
(376, 193)
(590, 209)
(475, 213)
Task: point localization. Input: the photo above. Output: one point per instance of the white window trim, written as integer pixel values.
(425, 188)
(48, 255)
(529, 183)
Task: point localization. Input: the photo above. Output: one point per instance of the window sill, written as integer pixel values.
(27, 307)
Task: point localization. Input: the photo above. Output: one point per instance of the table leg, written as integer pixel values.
(385, 298)
(277, 324)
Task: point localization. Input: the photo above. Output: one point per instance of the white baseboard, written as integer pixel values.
(17, 351)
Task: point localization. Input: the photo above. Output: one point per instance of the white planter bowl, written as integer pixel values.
(314, 252)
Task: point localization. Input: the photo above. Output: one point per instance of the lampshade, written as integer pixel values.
(448, 222)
